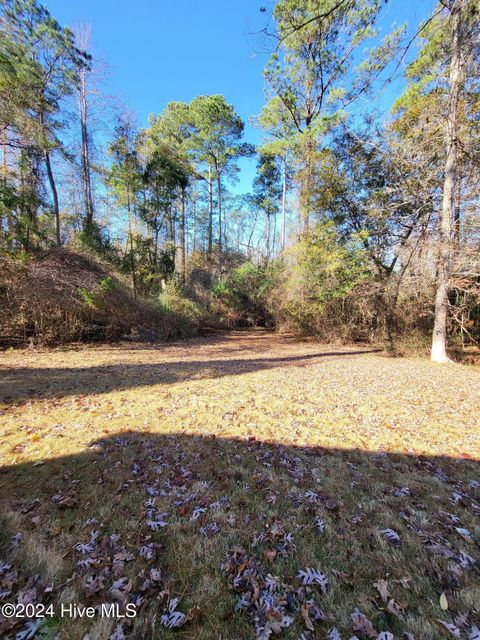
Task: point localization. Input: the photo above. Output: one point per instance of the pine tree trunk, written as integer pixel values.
(274, 234)
(8, 217)
(56, 207)
(155, 253)
(219, 208)
(306, 189)
(53, 186)
(284, 202)
(210, 210)
(457, 215)
(182, 237)
(4, 151)
(132, 253)
(439, 338)
(194, 214)
(86, 171)
(173, 233)
(268, 236)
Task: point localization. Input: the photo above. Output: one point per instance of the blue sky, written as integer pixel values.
(162, 50)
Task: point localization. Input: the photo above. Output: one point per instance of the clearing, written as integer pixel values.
(198, 479)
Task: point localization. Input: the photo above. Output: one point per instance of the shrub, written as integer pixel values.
(95, 239)
(173, 303)
(317, 283)
(241, 298)
(88, 296)
(64, 296)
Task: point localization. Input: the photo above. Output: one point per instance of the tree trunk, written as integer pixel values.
(4, 151)
(194, 214)
(86, 171)
(56, 207)
(439, 338)
(284, 202)
(132, 253)
(219, 208)
(182, 237)
(155, 246)
(83, 37)
(268, 237)
(274, 234)
(457, 215)
(29, 179)
(7, 224)
(306, 186)
(299, 214)
(210, 210)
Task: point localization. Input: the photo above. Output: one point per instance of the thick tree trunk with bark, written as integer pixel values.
(457, 214)
(439, 338)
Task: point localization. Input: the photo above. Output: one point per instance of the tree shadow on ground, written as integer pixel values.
(27, 383)
(226, 526)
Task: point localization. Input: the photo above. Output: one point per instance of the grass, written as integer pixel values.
(242, 443)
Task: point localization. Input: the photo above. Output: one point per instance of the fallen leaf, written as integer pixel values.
(382, 587)
(306, 616)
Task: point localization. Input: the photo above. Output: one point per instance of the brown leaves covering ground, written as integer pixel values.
(241, 486)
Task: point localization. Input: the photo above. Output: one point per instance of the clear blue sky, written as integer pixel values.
(162, 50)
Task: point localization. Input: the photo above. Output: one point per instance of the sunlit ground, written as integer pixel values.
(258, 457)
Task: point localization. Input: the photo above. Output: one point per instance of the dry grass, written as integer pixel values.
(254, 422)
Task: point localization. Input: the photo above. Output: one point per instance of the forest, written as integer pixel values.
(356, 229)
(239, 351)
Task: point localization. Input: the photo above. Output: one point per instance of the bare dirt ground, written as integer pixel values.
(240, 485)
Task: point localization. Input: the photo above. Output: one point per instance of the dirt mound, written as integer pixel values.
(64, 296)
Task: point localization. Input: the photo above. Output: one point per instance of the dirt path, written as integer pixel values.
(239, 485)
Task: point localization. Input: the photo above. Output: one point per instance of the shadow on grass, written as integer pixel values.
(26, 383)
(209, 497)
